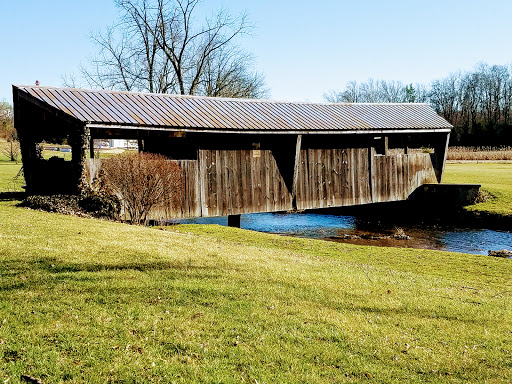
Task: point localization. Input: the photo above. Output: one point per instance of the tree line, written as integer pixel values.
(478, 103)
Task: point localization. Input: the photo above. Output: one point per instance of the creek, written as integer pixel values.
(350, 229)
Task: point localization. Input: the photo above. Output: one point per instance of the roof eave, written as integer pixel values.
(267, 131)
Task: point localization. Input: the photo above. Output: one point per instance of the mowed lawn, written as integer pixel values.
(84, 300)
(495, 178)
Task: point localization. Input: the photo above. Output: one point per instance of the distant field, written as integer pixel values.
(8, 171)
(480, 153)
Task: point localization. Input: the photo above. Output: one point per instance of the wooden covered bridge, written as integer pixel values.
(241, 156)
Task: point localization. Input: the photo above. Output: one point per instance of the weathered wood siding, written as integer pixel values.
(332, 178)
(395, 177)
(190, 195)
(241, 181)
(188, 204)
(341, 177)
(231, 182)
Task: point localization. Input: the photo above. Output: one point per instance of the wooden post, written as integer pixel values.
(78, 141)
(27, 146)
(441, 150)
(296, 171)
(91, 147)
(234, 221)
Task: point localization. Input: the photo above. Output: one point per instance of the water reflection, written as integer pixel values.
(347, 229)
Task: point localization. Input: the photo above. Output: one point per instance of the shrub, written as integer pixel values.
(67, 204)
(100, 205)
(142, 182)
(81, 205)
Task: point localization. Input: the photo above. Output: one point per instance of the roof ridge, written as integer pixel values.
(201, 112)
(201, 97)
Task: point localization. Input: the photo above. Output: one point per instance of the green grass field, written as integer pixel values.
(85, 300)
(495, 179)
(8, 171)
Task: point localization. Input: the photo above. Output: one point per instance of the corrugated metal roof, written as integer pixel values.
(207, 113)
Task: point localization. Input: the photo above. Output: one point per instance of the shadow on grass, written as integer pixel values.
(12, 196)
(45, 273)
(20, 275)
(53, 266)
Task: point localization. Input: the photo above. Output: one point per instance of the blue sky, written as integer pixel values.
(304, 48)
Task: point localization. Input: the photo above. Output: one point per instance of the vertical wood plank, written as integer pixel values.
(309, 179)
(353, 171)
(243, 182)
(335, 175)
(296, 168)
(203, 184)
(266, 169)
(303, 181)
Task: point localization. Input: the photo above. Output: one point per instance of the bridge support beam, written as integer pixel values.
(234, 221)
(440, 152)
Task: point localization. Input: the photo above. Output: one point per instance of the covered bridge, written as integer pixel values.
(241, 156)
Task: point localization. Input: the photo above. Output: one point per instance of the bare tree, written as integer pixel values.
(334, 96)
(7, 131)
(157, 47)
(394, 91)
(350, 94)
(445, 96)
(226, 74)
(373, 91)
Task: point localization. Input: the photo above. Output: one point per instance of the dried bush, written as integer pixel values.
(480, 153)
(482, 197)
(142, 182)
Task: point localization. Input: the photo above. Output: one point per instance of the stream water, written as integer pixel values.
(348, 229)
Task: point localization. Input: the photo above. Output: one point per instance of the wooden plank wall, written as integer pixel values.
(333, 178)
(241, 181)
(395, 177)
(230, 182)
(341, 177)
(190, 203)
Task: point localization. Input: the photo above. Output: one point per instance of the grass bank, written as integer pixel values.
(495, 178)
(84, 300)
